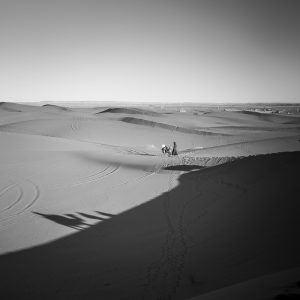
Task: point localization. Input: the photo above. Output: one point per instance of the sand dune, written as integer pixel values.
(274, 117)
(248, 117)
(262, 146)
(15, 107)
(10, 108)
(144, 122)
(89, 206)
(130, 111)
(56, 107)
(232, 227)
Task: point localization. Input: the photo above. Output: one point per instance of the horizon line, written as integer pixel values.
(154, 102)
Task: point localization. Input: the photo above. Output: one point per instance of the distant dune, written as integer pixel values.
(9, 107)
(131, 111)
(277, 118)
(138, 121)
(16, 107)
(56, 107)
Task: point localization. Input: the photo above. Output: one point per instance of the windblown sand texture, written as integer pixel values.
(91, 209)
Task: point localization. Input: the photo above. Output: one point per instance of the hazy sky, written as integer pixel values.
(144, 50)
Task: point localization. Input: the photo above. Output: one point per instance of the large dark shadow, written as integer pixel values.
(204, 234)
(289, 292)
(289, 296)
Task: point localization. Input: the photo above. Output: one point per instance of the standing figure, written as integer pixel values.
(163, 149)
(174, 151)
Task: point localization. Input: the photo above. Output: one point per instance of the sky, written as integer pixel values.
(150, 50)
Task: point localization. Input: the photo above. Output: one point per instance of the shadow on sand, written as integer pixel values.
(198, 237)
(186, 168)
(73, 221)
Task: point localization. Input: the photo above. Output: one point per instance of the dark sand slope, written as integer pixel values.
(130, 111)
(56, 107)
(20, 108)
(218, 227)
(284, 285)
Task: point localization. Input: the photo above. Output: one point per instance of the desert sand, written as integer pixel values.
(91, 209)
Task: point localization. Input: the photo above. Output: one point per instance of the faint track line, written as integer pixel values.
(26, 187)
(164, 276)
(95, 177)
(75, 124)
(16, 201)
(6, 189)
(37, 193)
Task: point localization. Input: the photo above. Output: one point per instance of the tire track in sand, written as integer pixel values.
(37, 193)
(18, 199)
(97, 176)
(75, 125)
(29, 193)
(140, 179)
(4, 190)
(164, 276)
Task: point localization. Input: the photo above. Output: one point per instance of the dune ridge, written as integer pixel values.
(138, 121)
(56, 107)
(131, 111)
(284, 119)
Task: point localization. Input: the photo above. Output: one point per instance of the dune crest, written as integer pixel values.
(144, 122)
(56, 107)
(131, 111)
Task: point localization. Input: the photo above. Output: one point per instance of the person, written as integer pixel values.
(174, 151)
(168, 150)
(163, 149)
